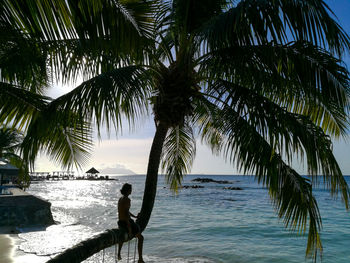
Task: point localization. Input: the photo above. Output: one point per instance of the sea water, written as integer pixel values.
(210, 224)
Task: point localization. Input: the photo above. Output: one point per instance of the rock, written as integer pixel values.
(192, 186)
(209, 180)
(24, 210)
(230, 200)
(233, 188)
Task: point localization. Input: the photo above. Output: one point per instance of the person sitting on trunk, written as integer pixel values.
(125, 222)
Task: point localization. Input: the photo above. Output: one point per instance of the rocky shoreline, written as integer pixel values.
(209, 180)
(22, 209)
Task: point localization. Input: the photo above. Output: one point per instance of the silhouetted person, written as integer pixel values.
(126, 222)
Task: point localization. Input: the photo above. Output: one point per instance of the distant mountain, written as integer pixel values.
(117, 169)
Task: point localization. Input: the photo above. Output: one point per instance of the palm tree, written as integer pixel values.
(261, 82)
(10, 143)
(24, 78)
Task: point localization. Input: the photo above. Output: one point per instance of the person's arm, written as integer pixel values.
(132, 215)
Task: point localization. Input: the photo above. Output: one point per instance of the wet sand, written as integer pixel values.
(6, 249)
(9, 249)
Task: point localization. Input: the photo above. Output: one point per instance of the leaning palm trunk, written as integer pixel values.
(89, 247)
(149, 194)
(258, 89)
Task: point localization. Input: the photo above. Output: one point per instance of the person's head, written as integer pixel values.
(126, 189)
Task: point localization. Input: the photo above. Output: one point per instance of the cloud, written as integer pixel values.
(116, 169)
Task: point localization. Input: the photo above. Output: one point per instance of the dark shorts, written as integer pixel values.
(134, 227)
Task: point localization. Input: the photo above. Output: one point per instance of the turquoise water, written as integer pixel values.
(208, 224)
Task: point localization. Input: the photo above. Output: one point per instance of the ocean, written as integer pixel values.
(207, 225)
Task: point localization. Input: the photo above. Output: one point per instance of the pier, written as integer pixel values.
(56, 175)
(65, 175)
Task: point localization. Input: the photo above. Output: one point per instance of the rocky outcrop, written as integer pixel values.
(209, 180)
(22, 210)
(192, 186)
(233, 188)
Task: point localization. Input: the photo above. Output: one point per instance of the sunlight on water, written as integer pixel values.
(208, 225)
(76, 194)
(54, 239)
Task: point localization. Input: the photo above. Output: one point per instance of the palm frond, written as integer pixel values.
(179, 151)
(80, 38)
(189, 15)
(55, 19)
(166, 44)
(298, 76)
(109, 96)
(71, 59)
(9, 141)
(22, 62)
(65, 137)
(291, 193)
(17, 105)
(142, 13)
(287, 133)
(24, 178)
(258, 22)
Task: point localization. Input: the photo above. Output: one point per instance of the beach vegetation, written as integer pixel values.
(10, 145)
(262, 83)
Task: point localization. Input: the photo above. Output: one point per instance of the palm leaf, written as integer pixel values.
(66, 137)
(80, 38)
(55, 19)
(297, 76)
(10, 143)
(71, 59)
(10, 140)
(108, 97)
(291, 193)
(21, 60)
(189, 15)
(17, 105)
(63, 136)
(178, 154)
(288, 134)
(260, 21)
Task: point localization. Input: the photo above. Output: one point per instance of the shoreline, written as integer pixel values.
(6, 248)
(10, 251)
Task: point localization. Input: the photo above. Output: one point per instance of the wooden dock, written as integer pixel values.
(56, 175)
(65, 175)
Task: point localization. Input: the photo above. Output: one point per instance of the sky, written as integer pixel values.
(127, 153)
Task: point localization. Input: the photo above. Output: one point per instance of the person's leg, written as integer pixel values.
(140, 246)
(122, 227)
(120, 244)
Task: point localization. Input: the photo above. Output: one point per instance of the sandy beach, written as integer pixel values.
(10, 252)
(11, 243)
(6, 249)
